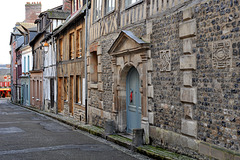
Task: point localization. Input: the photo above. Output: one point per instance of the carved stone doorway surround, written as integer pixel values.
(129, 51)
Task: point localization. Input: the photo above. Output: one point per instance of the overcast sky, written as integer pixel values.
(13, 11)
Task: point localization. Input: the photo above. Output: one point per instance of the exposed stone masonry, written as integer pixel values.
(217, 48)
(167, 114)
(192, 72)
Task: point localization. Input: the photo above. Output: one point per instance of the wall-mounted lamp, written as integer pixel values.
(45, 47)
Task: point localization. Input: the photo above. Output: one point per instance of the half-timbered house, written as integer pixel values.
(70, 63)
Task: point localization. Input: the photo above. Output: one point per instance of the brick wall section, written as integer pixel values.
(66, 5)
(107, 77)
(32, 10)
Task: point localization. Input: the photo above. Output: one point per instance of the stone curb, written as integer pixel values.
(117, 139)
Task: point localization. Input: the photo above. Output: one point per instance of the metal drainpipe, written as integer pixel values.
(55, 54)
(16, 80)
(85, 61)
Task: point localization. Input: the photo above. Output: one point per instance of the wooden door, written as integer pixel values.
(71, 96)
(60, 95)
(133, 100)
(52, 92)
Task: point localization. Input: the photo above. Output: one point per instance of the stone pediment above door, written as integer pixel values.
(127, 43)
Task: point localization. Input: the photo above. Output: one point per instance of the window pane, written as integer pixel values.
(110, 5)
(79, 43)
(28, 63)
(61, 49)
(97, 9)
(78, 89)
(130, 2)
(73, 6)
(71, 46)
(24, 65)
(79, 4)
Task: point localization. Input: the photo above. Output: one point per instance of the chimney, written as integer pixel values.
(67, 5)
(32, 11)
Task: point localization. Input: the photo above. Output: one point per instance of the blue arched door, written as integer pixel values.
(133, 100)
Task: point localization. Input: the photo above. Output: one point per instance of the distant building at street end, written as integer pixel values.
(5, 81)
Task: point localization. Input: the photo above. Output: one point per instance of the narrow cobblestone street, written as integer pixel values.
(26, 135)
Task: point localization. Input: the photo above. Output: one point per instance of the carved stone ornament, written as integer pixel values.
(222, 56)
(165, 60)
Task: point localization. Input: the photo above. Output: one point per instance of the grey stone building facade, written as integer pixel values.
(183, 57)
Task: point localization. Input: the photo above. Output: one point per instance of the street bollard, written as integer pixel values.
(138, 137)
(109, 127)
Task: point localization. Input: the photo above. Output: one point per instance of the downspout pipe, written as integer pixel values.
(54, 42)
(85, 65)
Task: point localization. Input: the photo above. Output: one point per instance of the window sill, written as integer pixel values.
(108, 13)
(97, 20)
(79, 104)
